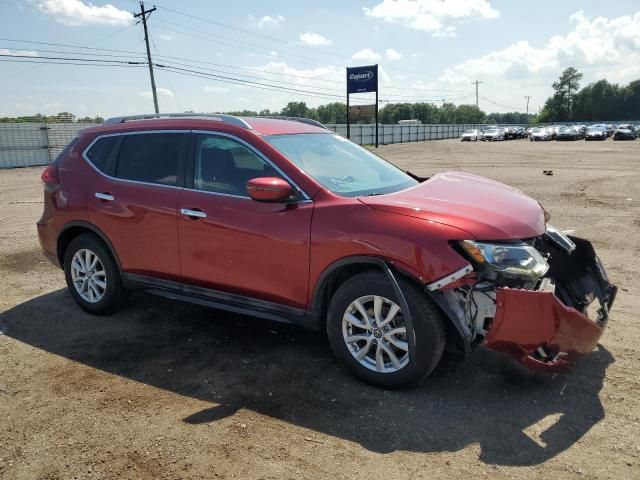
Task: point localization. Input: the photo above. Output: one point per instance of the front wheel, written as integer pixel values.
(368, 333)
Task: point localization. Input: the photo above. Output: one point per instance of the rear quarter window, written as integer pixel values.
(100, 151)
(65, 151)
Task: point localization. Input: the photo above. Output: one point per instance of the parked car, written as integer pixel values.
(521, 132)
(287, 221)
(596, 133)
(540, 134)
(469, 135)
(624, 132)
(509, 133)
(493, 135)
(567, 133)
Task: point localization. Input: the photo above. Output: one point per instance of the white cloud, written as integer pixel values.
(23, 53)
(214, 89)
(600, 46)
(162, 92)
(267, 21)
(76, 12)
(366, 54)
(167, 36)
(392, 54)
(438, 17)
(314, 40)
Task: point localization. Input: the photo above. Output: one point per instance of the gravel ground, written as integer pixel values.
(166, 390)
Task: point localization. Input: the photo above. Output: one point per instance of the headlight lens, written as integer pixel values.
(515, 259)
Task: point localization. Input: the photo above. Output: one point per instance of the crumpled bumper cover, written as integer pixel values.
(530, 322)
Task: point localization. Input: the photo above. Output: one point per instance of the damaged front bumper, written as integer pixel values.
(544, 324)
(547, 330)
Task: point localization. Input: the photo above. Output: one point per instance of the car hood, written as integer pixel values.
(486, 209)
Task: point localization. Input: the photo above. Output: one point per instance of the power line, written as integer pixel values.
(225, 41)
(49, 62)
(74, 58)
(68, 45)
(249, 32)
(227, 79)
(203, 62)
(66, 52)
(498, 103)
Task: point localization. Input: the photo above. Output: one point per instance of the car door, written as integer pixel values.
(135, 201)
(231, 243)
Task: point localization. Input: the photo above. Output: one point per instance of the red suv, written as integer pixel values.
(285, 220)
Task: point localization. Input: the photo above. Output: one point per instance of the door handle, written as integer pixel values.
(105, 196)
(193, 213)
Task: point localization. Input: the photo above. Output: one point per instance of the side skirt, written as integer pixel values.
(221, 300)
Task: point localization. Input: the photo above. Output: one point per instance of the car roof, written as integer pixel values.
(225, 123)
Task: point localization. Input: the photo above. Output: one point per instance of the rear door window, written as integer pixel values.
(151, 158)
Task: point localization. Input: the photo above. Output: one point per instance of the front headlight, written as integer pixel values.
(513, 259)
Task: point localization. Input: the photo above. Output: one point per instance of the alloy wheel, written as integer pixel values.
(88, 275)
(374, 331)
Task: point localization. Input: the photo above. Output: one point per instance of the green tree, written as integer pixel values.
(558, 107)
(335, 112)
(469, 114)
(295, 109)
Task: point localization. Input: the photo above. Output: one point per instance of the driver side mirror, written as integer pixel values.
(269, 189)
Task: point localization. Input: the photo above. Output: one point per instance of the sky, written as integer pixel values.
(208, 51)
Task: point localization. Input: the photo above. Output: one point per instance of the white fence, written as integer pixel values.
(365, 133)
(29, 144)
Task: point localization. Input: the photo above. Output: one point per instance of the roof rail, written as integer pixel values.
(230, 119)
(308, 121)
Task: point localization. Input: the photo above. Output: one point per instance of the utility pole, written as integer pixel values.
(476, 83)
(528, 97)
(144, 14)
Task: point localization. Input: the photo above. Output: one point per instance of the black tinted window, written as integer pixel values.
(225, 166)
(151, 158)
(99, 153)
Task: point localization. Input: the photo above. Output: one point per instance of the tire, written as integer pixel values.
(112, 294)
(428, 329)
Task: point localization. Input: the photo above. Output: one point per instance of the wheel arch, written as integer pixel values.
(341, 270)
(78, 227)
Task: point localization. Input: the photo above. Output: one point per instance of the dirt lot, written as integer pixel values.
(165, 390)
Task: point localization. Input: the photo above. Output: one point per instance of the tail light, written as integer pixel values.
(50, 178)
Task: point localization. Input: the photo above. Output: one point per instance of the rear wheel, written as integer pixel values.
(92, 275)
(369, 335)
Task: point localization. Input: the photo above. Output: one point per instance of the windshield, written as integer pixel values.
(470, 132)
(491, 131)
(340, 165)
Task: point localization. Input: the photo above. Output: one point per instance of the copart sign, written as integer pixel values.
(362, 79)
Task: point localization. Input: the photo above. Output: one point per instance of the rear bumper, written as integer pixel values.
(540, 331)
(48, 237)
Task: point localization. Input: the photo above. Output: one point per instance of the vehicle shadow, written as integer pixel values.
(287, 373)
